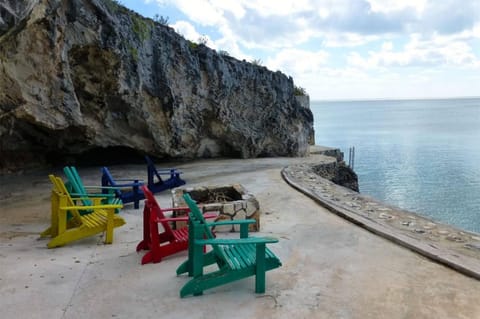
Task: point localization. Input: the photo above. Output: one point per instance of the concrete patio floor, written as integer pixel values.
(331, 267)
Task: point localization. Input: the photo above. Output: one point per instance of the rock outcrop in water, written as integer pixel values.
(339, 173)
(89, 78)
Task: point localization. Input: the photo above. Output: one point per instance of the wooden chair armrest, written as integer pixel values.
(101, 187)
(83, 197)
(173, 219)
(230, 241)
(231, 222)
(183, 218)
(163, 169)
(129, 184)
(172, 209)
(168, 172)
(105, 187)
(107, 206)
(89, 195)
(186, 209)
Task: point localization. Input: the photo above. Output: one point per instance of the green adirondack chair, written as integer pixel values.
(76, 188)
(235, 258)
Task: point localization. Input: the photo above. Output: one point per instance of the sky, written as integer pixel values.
(342, 49)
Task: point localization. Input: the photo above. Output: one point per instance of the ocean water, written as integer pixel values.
(419, 155)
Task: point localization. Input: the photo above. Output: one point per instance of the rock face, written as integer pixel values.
(89, 79)
(339, 173)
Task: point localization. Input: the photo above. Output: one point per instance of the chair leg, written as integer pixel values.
(145, 244)
(109, 230)
(155, 242)
(260, 269)
(136, 195)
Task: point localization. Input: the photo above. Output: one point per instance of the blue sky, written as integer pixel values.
(342, 49)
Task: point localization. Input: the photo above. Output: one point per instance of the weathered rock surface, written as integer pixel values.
(339, 173)
(89, 78)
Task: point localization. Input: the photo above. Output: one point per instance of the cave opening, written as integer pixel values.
(98, 156)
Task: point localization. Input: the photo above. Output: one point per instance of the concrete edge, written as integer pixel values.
(463, 264)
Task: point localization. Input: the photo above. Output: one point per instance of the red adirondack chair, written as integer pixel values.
(168, 242)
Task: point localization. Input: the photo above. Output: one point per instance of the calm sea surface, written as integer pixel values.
(420, 155)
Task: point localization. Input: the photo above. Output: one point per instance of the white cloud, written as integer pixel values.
(396, 5)
(234, 7)
(203, 12)
(418, 53)
(450, 16)
(348, 83)
(387, 46)
(295, 62)
(186, 29)
(330, 18)
(278, 8)
(347, 39)
(229, 44)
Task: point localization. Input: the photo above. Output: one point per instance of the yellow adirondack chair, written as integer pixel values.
(65, 229)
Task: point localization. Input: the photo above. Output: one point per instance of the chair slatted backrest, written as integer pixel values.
(155, 208)
(107, 180)
(197, 214)
(77, 184)
(152, 169)
(74, 179)
(60, 188)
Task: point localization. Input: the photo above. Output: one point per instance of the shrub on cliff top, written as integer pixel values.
(257, 62)
(223, 53)
(160, 19)
(299, 91)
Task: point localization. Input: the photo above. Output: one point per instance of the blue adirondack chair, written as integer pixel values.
(128, 192)
(158, 184)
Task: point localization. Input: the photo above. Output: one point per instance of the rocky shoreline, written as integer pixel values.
(442, 243)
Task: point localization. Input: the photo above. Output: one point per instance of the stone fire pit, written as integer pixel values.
(230, 201)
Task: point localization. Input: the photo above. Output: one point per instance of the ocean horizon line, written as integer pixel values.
(397, 99)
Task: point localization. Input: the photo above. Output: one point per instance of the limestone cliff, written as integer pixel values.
(87, 78)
